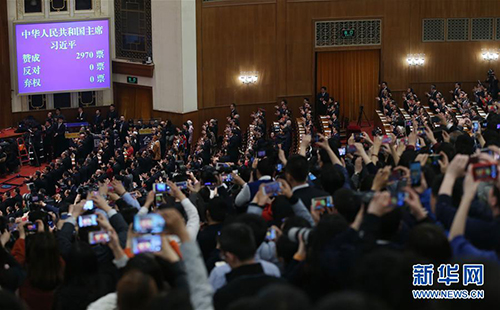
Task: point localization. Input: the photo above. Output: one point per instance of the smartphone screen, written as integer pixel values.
(161, 187)
(96, 237)
(434, 159)
(279, 167)
(398, 199)
(182, 185)
(158, 199)
(386, 139)
(273, 188)
(485, 172)
(89, 205)
(321, 203)
(342, 151)
(31, 227)
(149, 223)
(146, 244)
(87, 220)
(261, 154)
(475, 126)
(271, 234)
(415, 173)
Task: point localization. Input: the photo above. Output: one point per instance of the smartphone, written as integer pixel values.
(226, 178)
(271, 234)
(261, 154)
(210, 185)
(182, 185)
(311, 177)
(158, 199)
(87, 220)
(342, 151)
(351, 149)
(321, 203)
(395, 176)
(89, 205)
(111, 189)
(358, 137)
(146, 244)
(151, 223)
(485, 172)
(100, 236)
(398, 199)
(434, 159)
(31, 227)
(273, 188)
(415, 173)
(475, 126)
(421, 131)
(161, 188)
(386, 139)
(279, 167)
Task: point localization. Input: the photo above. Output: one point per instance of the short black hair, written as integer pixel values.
(297, 167)
(430, 242)
(256, 223)
(347, 203)
(266, 167)
(332, 179)
(237, 238)
(323, 87)
(217, 208)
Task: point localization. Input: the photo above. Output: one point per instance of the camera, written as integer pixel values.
(295, 232)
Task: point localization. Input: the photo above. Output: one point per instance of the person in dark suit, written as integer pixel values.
(48, 140)
(233, 110)
(59, 137)
(59, 114)
(122, 129)
(111, 116)
(456, 91)
(322, 101)
(8, 201)
(233, 146)
(98, 119)
(247, 276)
(296, 173)
(81, 116)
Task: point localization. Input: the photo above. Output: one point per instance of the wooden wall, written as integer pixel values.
(276, 38)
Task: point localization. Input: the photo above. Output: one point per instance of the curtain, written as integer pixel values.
(352, 78)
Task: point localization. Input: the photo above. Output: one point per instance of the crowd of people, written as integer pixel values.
(121, 220)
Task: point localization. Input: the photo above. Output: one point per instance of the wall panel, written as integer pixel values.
(277, 39)
(237, 39)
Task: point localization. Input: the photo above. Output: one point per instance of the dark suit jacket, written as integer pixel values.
(60, 131)
(244, 281)
(306, 194)
(81, 117)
